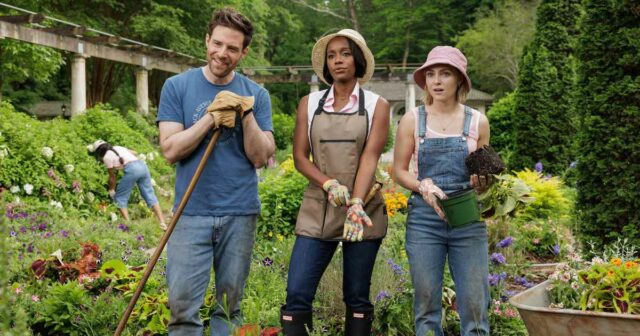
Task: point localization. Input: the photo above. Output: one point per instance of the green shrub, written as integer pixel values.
(283, 126)
(608, 167)
(48, 162)
(501, 116)
(281, 195)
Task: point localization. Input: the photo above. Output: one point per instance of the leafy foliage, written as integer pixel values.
(494, 44)
(501, 116)
(281, 195)
(609, 90)
(283, 126)
(543, 128)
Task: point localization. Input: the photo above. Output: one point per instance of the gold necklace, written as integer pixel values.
(444, 128)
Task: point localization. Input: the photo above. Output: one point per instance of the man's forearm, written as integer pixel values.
(177, 146)
(258, 145)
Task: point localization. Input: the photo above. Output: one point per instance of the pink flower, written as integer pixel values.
(35, 298)
(536, 241)
(18, 290)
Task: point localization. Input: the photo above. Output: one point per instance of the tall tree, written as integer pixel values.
(494, 44)
(543, 128)
(608, 87)
(20, 61)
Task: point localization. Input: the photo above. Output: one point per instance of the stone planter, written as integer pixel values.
(533, 306)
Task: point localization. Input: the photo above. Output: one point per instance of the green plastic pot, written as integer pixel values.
(461, 207)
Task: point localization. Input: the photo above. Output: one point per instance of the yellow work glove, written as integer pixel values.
(430, 194)
(338, 194)
(226, 105)
(356, 219)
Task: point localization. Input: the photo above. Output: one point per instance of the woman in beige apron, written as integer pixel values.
(339, 136)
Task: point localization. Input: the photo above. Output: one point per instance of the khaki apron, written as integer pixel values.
(337, 141)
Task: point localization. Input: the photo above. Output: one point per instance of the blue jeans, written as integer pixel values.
(196, 243)
(135, 172)
(309, 259)
(429, 243)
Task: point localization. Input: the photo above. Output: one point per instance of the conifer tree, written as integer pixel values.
(608, 87)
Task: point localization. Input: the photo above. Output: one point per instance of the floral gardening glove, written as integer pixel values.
(356, 219)
(430, 194)
(338, 193)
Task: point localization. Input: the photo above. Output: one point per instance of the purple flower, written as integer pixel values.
(64, 233)
(538, 167)
(522, 281)
(555, 249)
(30, 248)
(140, 238)
(23, 229)
(495, 279)
(397, 269)
(382, 295)
(123, 227)
(42, 226)
(47, 235)
(13, 233)
(505, 242)
(498, 259)
(267, 261)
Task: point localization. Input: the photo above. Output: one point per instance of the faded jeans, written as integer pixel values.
(429, 244)
(196, 243)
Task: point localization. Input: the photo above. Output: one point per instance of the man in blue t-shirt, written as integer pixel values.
(219, 221)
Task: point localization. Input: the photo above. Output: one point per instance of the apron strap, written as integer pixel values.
(361, 110)
(320, 107)
(467, 120)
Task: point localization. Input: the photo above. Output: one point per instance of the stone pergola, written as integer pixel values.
(84, 43)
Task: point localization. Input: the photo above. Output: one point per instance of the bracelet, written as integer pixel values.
(246, 113)
(355, 201)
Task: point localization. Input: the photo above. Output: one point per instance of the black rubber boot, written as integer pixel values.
(358, 322)
(295, 323)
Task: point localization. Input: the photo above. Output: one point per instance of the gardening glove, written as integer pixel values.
(480, 182)
(356, 219)
(226, 105)
(430, 194)
(112, 194)
(338, 193)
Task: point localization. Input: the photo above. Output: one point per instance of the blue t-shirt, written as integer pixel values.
(228, 184)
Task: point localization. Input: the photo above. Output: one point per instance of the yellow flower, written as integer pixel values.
(270, 233)
(610, 273)
(630, 264)
(616, 261)
(280, 237)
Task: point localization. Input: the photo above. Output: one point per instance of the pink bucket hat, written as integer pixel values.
(443, 55)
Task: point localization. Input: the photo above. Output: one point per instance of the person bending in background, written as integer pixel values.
(135, 172)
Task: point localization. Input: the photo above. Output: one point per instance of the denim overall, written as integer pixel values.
(430, 241)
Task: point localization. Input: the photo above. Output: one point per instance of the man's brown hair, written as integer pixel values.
(229, 17)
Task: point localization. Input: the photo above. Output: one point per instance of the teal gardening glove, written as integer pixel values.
(356, 219)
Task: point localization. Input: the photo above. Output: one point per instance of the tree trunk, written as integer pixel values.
(352, 13)
(407, 47)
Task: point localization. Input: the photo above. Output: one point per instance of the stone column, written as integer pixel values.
(314, 85)
(410, 97)
(142, 91)
(78, 85)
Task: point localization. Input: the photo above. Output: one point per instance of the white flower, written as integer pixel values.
(142, 157)
(153, 182)
(565, 277)
(28, 188)
(47, 152)
(69, 168)
(384, 174)
(151, 156)
(16, 200)
(114, 217)
(58, 255)
(90, 196)
(4, 152)
(597, 260)
(55, 204)
(574, 285)
(14, 189)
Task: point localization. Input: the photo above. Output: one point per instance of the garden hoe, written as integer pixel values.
(228, 117)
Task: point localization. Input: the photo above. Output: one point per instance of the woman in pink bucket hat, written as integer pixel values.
(438, 136)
